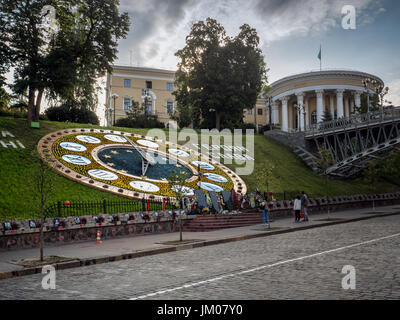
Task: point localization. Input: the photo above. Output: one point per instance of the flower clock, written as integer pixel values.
(132, 165)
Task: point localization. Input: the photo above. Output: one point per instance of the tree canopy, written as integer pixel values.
(218, 76)
(61, 55)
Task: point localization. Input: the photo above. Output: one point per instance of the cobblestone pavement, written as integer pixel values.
(377, 265)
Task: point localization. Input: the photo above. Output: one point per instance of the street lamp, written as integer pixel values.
(379, 89)
(270, 112)
(299, 108)
(146, 95)
(114, 96)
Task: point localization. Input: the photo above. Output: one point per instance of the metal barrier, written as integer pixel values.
(354, 122)
(83, 208)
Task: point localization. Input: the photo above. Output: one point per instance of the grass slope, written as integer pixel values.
(16, 166)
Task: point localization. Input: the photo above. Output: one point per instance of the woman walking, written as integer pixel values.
(297, 208)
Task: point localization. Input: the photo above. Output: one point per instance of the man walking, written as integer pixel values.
(304, 204)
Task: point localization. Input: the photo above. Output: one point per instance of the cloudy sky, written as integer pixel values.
(291, 32)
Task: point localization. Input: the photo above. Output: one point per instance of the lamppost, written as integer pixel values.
(379, 89)
(299, 108)
(146, 97)
(114, 96)
(270, 112)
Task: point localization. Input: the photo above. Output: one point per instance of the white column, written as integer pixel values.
(300, 103)
(351, 105)
(332, 106)
(339, 103)
(346, 107)
(284, 126)
(290, 115)
(307, 112)
(357, 98)
(320, 104)
(275, 112)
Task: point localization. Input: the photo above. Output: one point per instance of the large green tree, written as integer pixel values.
(218, 76)
(61, 56)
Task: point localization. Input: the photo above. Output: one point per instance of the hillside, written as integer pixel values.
(16, 165)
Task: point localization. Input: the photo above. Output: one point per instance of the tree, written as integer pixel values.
(4, 95)
(371, 176)
(265, 174)
(64, 57)
(373, 104)
(41, 186)
(327, 116)
(178, 182)
(218, 76)
(324, 161)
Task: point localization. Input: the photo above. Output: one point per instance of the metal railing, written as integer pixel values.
(354, 122)
(84, 208)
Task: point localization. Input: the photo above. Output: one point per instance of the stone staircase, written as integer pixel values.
(296, 143)
(307, 158)
(212, 222)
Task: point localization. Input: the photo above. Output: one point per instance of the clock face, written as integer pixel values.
(133, 165)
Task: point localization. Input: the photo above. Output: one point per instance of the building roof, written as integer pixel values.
(143, 69)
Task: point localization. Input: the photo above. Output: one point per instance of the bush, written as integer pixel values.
(69, 113)
(140, 121)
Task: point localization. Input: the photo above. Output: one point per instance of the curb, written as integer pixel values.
(150, 252)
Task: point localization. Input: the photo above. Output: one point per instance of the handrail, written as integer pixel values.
(354, 122)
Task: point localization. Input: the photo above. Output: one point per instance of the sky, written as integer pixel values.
(290, 31)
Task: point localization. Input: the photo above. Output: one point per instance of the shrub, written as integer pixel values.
(69, 113)
(140, 121)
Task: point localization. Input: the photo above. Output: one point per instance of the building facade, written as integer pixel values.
(152, 87)
(293, 103)
(300, 100)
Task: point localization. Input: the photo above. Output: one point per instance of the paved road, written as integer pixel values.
(300, 265)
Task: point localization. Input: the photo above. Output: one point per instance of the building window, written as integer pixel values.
(127, 83)
(314, 117)
(149, 85)
(170, 107)
(127, 104)
(170, 86)
(259, 112)
(249, 111)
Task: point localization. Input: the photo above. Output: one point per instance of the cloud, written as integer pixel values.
(394, 92)
(159, 27)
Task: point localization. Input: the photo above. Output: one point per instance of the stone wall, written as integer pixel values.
(158, 222)
(122, 226)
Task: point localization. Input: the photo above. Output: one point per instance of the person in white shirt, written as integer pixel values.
(297, 208)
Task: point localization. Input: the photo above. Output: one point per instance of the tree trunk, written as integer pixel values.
(217, 120)
(41, 245)
(41, 241)
(31, 105)
(38, 104)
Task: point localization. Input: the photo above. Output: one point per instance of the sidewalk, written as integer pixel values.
(126, 248)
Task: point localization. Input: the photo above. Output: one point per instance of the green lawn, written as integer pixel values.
(16, 166)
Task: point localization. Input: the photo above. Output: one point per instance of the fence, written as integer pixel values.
(83, 208)
(287, 195)
(355, 121)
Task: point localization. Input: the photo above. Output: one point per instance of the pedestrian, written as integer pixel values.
(304, 205)
(297, 208)
(264, 206)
